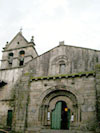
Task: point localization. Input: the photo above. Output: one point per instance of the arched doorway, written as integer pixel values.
(60, 116)
(56, 101)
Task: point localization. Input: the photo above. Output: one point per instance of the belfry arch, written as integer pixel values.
(49, 104)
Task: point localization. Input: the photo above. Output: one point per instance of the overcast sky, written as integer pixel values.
(77, 22)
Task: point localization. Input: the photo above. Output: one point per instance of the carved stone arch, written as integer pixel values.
(53, 102)
(55, 92)
(68, 89)
(56, 66)
(60, 58)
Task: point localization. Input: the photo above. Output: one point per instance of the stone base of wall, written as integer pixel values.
(33, 130)
(56, 131)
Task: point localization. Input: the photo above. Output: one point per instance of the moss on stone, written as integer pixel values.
(26, 74)
(63, 75)
(97, 66)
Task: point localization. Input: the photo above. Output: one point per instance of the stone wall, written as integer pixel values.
(21, 100)
(32, 86)
(10, 75)
(83, 88)
(7, 92)
(30, 53)
(98, 96)
(76, 60)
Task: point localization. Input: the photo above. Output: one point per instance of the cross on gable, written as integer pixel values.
(21, 30)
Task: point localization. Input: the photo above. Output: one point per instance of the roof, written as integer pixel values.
(17, 42)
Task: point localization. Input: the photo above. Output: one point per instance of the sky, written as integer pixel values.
(76, 22)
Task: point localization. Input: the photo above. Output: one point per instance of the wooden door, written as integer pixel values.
(60, 116)
(56, 116)
(9, 118)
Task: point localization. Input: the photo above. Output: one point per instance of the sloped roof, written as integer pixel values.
(17, 42)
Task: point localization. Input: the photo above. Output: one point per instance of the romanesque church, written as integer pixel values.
(56, 92)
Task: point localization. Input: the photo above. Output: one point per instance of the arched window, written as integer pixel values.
(62, 67)
(10, 58)
(21, 54)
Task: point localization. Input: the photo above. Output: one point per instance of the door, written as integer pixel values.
(56, 116)
(68, 118)
(9, 118)
(60, 116)
(65, 116)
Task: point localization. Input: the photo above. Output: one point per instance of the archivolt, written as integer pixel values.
(61, 57)
(55, 91)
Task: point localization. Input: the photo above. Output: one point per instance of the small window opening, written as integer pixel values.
(17, 42)
(22, 54)
(10, 58)
(62, 67)
(9, 118)
(96, 59)
(21, 63)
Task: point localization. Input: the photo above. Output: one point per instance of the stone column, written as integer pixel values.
(46, 113)
(78, 113)
(43, 113)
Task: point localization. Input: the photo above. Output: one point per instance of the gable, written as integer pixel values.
(17, 42)
(69, 58)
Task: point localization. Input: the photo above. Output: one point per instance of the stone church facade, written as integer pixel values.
(58, 90)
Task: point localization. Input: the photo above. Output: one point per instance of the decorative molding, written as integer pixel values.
(72, 75)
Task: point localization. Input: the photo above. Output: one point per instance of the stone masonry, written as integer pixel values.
(32, 86)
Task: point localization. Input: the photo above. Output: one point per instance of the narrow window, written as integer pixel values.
(10, 58)
(96, 59)
(9, 118)
(21, 53)
(62, 67)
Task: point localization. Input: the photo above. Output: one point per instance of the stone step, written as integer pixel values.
(64, 131)
(57, 131)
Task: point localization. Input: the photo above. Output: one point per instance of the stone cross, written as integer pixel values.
(21, 30)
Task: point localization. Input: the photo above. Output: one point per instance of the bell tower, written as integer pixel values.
(18, 52)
